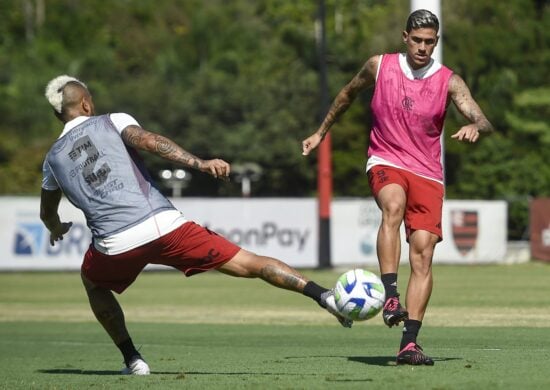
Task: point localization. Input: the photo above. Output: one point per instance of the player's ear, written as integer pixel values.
(405, 36)
(87, 106)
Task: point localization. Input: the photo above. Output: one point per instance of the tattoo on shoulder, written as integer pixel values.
(363, 79)
(372, 64)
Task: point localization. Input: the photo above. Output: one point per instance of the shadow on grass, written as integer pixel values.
(249, 373)
(374, 360)
(389, 360)
(76, 371)
(328, 378)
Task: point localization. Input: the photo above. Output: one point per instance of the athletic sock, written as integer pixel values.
(390, 284)
(314, 291)
(410, 332)
(128, 350)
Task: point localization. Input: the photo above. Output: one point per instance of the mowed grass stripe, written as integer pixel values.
(437, 316)
(493, 295)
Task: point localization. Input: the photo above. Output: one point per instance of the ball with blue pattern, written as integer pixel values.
(359, 294)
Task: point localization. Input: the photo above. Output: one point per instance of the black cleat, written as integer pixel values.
(393, 312)
(413, 354)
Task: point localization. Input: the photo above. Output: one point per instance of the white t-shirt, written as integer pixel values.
(149, 230)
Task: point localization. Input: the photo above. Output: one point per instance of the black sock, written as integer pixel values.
(390, 285)
(128, 350)
(410, 332)
(314, 291)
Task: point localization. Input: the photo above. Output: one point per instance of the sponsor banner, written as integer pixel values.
(353, 232)
(25, 240)
(281, 228)
(287, 229)
(473, 232)
(540, 229)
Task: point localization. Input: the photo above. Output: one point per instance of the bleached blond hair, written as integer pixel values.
(54, 90)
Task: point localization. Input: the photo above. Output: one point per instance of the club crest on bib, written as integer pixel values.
(407, 103)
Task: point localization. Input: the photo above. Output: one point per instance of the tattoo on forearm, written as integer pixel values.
(340, 105)
(164, 147)
(467, 105)
(169, 150)
(141, 139)
(347, 95)
(281, 277)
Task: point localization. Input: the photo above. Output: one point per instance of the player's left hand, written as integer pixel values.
(58, 231)
(311, 143)
(467, 133)
(217, 168)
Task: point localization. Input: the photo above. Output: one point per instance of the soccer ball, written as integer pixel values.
(359, 294)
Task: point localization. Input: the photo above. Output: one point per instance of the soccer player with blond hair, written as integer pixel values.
(95, 164)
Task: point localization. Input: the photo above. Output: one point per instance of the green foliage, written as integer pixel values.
(499, 49)
(239, 80)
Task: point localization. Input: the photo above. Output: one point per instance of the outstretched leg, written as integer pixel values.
(277, 273)
(109, 314)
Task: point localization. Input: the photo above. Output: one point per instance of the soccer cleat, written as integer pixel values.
(137, 366)
(393, 312)
(413, 354)
(328, 302)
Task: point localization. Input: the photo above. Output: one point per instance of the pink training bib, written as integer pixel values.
(408, 118)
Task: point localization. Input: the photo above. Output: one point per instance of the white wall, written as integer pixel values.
(282, 228)
(355, 228)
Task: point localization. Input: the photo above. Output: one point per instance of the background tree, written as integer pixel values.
(239, 80)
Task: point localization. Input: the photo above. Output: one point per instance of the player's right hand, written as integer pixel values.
(310, 143)
(57, 233)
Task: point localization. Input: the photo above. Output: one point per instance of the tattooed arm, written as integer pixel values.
(365, 78)
(465, 103)
(139, 138)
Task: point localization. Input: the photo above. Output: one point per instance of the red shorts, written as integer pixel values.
(424, 197)
(190, 248)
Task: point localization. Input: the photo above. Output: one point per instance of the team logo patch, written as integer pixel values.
(28, 238)
(465, 230)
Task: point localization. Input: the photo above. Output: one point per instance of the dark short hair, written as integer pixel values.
(422, 18)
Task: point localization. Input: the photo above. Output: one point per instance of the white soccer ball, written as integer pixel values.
(359, 294)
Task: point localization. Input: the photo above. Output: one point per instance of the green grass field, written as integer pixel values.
(487, 327)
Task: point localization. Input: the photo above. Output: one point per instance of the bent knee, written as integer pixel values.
(392, 213)
(244, 264)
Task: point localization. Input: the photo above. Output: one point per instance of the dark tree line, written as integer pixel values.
(239, 80)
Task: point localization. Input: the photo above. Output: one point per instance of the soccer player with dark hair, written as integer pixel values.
(412, 92)
(95, 163)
